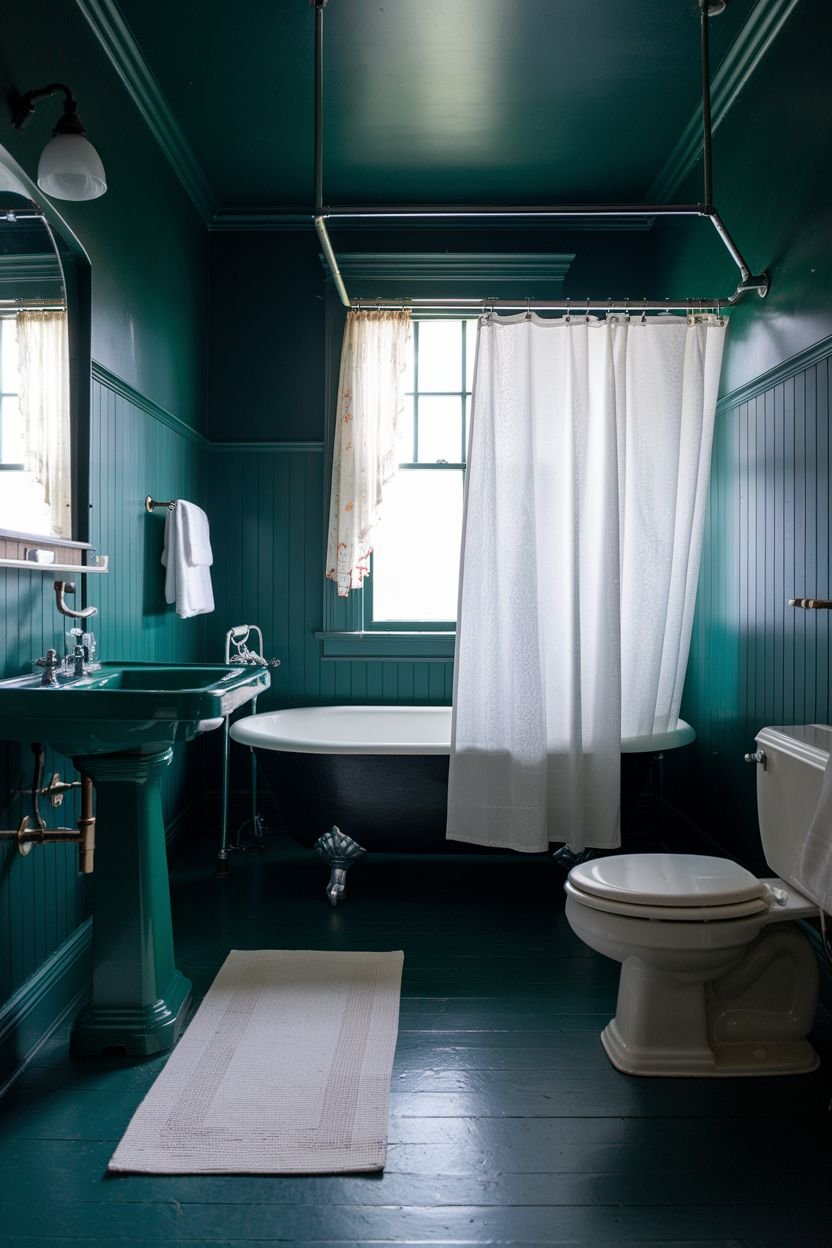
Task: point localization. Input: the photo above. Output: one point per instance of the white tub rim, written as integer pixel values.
(309, 730)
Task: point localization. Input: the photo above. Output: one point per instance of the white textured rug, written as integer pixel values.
(284, 1069)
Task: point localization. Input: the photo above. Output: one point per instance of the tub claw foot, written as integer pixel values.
(340, 851)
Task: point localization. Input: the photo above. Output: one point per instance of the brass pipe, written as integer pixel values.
(33, 829)
(86, 826)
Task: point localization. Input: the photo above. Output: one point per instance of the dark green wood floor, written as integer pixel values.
(507, 1124)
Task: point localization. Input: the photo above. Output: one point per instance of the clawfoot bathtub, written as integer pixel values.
(380, 773)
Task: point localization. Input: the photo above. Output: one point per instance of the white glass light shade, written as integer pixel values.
(70, 168)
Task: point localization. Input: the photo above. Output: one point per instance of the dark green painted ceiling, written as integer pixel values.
(431, 100)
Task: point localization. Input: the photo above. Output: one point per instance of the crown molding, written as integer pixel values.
(448, 267)
(763, 25)
(123, 52)
(229, 220)
(30, 267)
(247, 220)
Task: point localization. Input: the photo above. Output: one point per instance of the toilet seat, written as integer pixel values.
(678, 887)
(685, 914)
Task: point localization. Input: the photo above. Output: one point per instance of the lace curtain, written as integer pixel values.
(585, 496)
(367, 429)
(43, 360)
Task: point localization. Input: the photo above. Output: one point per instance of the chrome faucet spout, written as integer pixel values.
(68, 587)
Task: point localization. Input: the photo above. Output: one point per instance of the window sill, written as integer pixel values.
(413, 646)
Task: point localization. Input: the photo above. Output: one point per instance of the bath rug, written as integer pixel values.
(284, 1069)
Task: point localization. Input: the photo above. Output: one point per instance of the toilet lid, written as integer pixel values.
(680, 881)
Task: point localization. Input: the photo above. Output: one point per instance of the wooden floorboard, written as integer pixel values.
(507, 1123)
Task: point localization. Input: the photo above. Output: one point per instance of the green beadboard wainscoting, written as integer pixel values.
(267, 513)
(755, 660)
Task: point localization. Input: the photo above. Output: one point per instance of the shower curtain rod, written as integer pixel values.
(748, 282)
(571, 307)
(10, 308)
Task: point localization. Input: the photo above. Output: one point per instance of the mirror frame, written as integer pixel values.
(77, 277)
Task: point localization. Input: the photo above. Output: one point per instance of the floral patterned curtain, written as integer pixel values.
(367, 429)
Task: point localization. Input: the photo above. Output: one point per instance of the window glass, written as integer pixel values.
(439, 355)
(11, 434)
(415, 569)
(440, 429)
(416, 555)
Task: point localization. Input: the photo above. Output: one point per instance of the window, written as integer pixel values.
(22, 504)
(415, 568)
(11, 427)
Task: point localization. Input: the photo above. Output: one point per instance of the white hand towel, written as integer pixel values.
(186, 584)
(196, 534)
(815, 874)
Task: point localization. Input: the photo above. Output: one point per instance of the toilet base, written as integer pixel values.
(773, 1057)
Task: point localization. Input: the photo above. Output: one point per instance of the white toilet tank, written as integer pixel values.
(788, 788)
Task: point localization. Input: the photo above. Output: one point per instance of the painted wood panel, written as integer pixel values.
(268, 565)
(755, 660)
(42, 898)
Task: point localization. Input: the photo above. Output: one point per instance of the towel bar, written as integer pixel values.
(150, 503)
(812, 604)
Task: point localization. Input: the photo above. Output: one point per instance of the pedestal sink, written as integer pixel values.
(119, 725)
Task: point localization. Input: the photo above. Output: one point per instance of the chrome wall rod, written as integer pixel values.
(416, 211)
(749, 282)
(704, 34)
(331, 260)
(319, 104)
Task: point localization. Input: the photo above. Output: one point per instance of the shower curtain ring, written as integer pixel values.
(586, 314)
(528, 309)
(644, 312)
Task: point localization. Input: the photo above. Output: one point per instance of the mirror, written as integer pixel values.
(38, 477)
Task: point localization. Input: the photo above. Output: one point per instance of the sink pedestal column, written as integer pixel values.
(139, 999)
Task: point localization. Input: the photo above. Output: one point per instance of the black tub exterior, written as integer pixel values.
(385, 802)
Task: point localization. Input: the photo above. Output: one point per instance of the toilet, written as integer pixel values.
(716, 978)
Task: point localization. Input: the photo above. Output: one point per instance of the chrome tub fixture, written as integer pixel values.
(340, 852)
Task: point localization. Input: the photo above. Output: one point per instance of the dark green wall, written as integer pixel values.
(754, 660)
(267, 386)
(149, 305)
(147, 246)
(773, 188)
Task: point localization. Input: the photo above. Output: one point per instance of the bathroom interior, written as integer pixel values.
(205, 328)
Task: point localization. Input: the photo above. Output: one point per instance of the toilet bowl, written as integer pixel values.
(716, 979)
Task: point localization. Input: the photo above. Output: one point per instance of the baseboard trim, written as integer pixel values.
(32, 1013)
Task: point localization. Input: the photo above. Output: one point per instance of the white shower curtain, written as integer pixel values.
(588, 467)
(367, 430)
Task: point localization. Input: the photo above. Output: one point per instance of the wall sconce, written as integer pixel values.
(69, 167)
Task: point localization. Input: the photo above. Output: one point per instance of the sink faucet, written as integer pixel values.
(50, 665)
